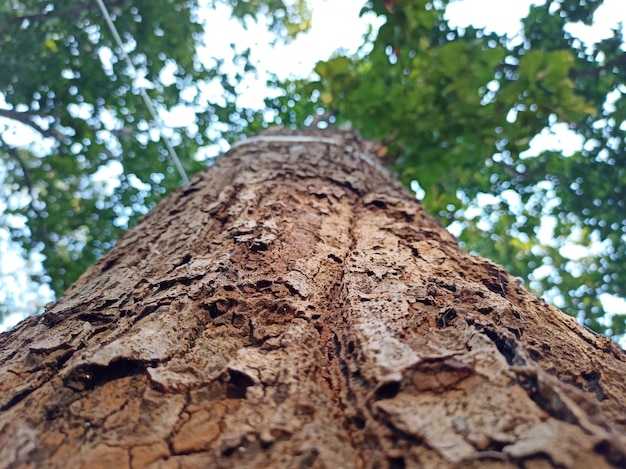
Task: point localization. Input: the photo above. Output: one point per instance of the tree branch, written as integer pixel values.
(595, 72)
(66, 13)
(27, 119)
(573, 73)
(14, 63)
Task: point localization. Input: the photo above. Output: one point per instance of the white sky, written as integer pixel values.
(336, 25)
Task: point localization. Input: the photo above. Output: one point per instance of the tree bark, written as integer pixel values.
(293, 307)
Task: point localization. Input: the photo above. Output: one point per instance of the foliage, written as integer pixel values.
(63, 77)
(458, 108)
(54, 81)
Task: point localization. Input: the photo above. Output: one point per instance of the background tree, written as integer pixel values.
(458, 107)
(64, 78)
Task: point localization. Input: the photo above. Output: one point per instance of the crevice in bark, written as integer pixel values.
(218, 306)
(17, 398)
(611, 452)
(387, 390)
(507, 346)
(396, 462)
(592, 384)
(51, 319)
(498, 281)
(446, 317)
(88, 376)
(237, 384)
(185, 260)
(46, 363)
(339, 379)
(170, 283)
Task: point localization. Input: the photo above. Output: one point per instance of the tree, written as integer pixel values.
(64, 78)
(458, 106)
(294, 306)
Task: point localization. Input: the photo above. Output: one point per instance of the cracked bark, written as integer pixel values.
(293, 306)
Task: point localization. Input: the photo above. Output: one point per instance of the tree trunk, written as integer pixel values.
(294, 307)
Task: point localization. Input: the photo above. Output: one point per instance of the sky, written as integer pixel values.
(335, 25)
(340, 18)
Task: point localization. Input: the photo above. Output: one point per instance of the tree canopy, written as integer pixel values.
(457, 108)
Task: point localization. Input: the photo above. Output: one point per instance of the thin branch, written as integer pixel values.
(513, 173)
(573, 73)
(144, 94)
(595, 72)
(27, 119)
(59, 13)
(503, 66)
(14, 63)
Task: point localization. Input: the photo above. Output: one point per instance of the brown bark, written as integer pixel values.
(291, 307)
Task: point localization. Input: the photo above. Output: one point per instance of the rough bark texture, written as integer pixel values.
(294, 307)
